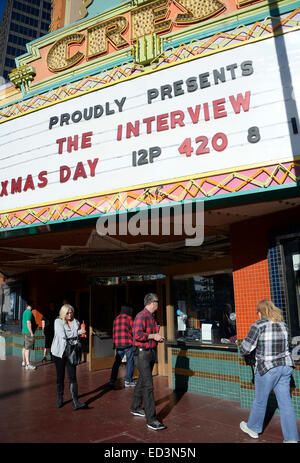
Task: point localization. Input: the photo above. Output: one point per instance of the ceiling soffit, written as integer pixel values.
(85, 251)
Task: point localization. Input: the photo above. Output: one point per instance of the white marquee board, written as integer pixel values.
(28, 147)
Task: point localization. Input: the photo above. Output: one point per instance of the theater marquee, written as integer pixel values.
(205, 115)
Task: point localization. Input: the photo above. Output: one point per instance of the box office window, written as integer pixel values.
(204, 308)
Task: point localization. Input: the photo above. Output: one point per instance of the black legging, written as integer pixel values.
(61, 364)
(143, 391)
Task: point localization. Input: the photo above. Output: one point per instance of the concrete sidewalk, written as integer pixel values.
(29, 414)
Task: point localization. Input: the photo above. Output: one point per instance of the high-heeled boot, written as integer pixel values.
(74, 394)
(60, 395)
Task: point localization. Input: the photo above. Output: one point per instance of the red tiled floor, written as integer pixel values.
(29, 415)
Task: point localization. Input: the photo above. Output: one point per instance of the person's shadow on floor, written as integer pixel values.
(102, 391)
(182, 375)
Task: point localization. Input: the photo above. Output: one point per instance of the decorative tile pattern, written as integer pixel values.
(221, 374)
(208, 372)
(231, 38)
(251, 284)
(14, 345)
(256, 178)
(74, 88)
(277, 279)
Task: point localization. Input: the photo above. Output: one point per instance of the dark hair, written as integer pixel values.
(126, 309)
(150, 297)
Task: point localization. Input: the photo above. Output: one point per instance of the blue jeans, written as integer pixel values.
(130, 364)
(278, 379)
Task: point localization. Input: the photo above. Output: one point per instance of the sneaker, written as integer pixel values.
(30, 367)
(244, 428)
(23, 364)
(156, 425)
(129, 384)
(138, 412)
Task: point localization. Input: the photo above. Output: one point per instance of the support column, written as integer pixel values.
(162, 365)
(170, 326)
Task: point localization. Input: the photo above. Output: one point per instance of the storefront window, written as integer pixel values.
(292, 267)
(116, 280)
(204, 308)
(12, 305)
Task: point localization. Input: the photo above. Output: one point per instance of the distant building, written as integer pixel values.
(21, 22)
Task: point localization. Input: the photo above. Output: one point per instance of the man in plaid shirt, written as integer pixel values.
(145, 338)
(122, 339)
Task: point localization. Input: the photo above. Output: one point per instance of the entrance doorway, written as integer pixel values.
(105, 304)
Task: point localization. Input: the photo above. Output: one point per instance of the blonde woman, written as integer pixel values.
(65, 326)
(273, 369)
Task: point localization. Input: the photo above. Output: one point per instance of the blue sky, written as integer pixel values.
(2, 6)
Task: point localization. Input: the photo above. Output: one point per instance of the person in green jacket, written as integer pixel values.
(28, 334)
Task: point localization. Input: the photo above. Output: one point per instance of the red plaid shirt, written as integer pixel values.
(122, 331)
(144, 324)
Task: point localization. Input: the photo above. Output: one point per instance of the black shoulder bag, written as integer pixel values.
(250, 360)
(73, 351)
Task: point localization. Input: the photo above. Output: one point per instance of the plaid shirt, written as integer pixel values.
(144, 324)
(122, 331)
(271, 343)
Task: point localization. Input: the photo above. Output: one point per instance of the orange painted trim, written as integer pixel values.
(58, 14)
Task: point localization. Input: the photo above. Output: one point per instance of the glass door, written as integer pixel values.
(105, 303)
(292, 261)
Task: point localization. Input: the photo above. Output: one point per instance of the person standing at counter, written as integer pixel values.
(145, 338)
(65, 327)
(273, 369)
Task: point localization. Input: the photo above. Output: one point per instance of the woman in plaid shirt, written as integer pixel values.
(273, 369)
